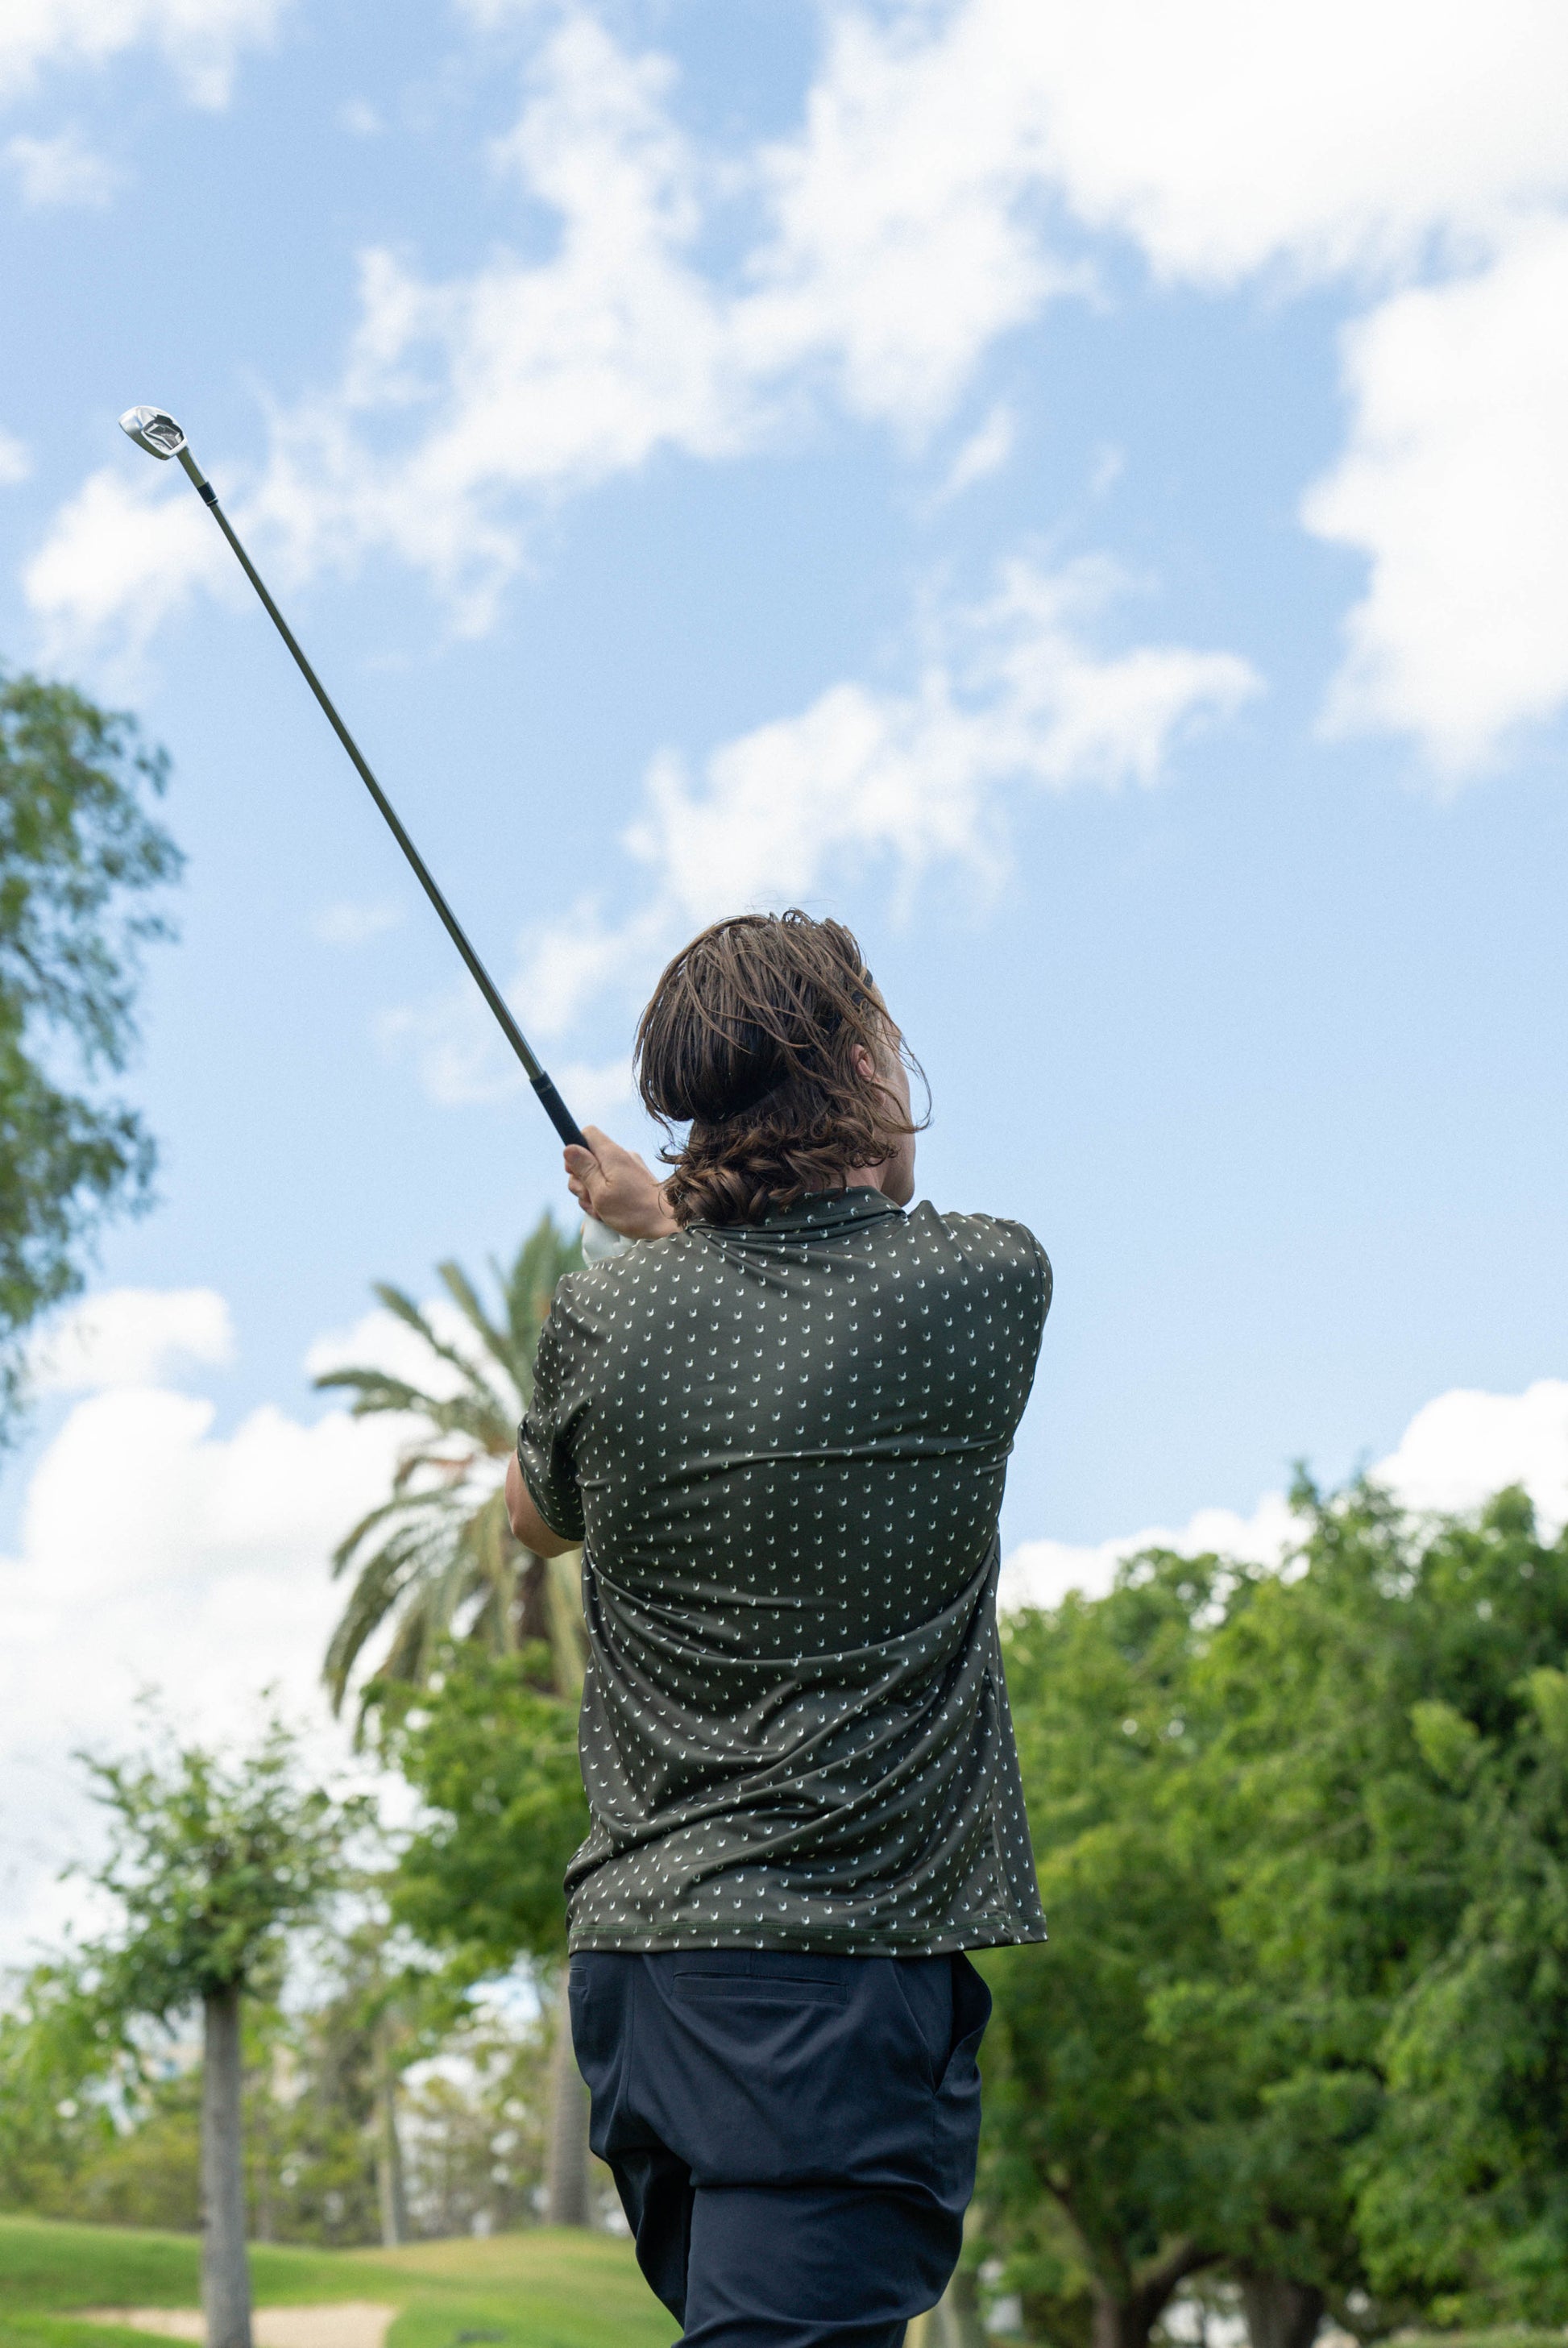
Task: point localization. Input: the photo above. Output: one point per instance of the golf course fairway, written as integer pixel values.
(549, 2288)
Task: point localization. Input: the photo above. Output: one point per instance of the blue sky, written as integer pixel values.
(1082, 497)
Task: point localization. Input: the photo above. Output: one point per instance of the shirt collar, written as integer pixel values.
(829, 1210)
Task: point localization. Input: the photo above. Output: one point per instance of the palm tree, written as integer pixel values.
(437, 1559)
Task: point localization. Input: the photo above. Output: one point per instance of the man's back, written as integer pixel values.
(786, 1444)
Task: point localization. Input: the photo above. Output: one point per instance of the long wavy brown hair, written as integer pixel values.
(751, 1039)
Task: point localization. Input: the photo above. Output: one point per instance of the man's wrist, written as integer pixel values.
(656, 1223)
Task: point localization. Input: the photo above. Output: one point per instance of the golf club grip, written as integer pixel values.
(550, 1100)
(556, 1111)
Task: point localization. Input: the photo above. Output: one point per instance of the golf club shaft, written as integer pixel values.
(554, 1108)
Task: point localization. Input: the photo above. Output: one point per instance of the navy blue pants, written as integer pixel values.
(793, 2137)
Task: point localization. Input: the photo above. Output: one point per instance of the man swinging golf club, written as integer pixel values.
(780, 1430)
(779, 1424)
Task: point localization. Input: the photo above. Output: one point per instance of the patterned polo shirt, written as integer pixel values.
(783, 1447)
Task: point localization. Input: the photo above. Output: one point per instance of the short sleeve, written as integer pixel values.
(1043, 1272)
(543, 1450)
(1038, 1267)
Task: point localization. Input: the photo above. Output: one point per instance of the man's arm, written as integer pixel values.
(525, 1520)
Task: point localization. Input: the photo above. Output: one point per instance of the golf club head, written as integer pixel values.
(154, 429)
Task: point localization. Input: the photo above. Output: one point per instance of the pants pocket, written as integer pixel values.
(924, 1987)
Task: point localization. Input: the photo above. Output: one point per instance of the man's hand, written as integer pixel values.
(616, 1188)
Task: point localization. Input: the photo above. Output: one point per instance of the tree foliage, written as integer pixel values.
(437, 1558)
(120, 2145)
(1303, 2015)
(1101, 2171)
(495, 1761)
(210, 1862)
(79, 856)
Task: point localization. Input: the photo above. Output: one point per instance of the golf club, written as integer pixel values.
(159, 434)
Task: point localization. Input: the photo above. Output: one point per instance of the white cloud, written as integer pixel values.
(1041, 1572)
(132, 1337)
(985, 452)
(464, 403)
(1455, 484)
(1220, 138)
(346, 922)
(1467, 1445)
(120, 561)
(463, 1061)
(944, 159)
(1009, 692)
(898, 249)
(61, 170)
(157, 1554)
(199, 39)
(528, 378)
(1226, 140)
(15, 459)
(1455, 1453)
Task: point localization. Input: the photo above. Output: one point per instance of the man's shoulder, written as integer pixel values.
(999, 1236)
(630, 1280)
(993, 1246)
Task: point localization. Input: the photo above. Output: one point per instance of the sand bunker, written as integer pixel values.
(346, 2324)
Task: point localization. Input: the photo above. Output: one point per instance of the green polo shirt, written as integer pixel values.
(783, 1447)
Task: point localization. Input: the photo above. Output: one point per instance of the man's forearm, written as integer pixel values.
(524, 1518)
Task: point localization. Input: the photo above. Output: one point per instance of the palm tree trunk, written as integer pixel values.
(391, 2190)
(567, 2183)
(225, 2272)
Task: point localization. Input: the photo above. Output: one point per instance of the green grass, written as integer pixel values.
(546, 2288)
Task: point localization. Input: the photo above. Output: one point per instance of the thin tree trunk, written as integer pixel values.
(262, 2165)
(225, 2271)
(1126, 2323)
(390, 2187)
(954, 2322)
(1280, 2313)
(567, 2184)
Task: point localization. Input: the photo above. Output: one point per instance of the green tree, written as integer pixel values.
(211, 1863)
(1099, 2174)
(78, 856)
(1464, 2194)
(480, 2139)
(437, 1558)
(1380, 1769)
(495, 1759)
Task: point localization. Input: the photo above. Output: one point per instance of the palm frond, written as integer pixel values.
(496, 1343)
(377, 1390)
(406, 1310)
(436, 1558)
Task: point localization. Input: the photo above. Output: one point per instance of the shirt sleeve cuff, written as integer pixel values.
(548, 1502)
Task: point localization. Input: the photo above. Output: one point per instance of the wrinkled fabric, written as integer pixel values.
(793, 2137)
(784, 1447)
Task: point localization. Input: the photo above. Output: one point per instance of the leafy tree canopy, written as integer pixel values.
(496, 1762)
(1099, 2176)
(1303, 1839)
(78, 856)
(210, 1862)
